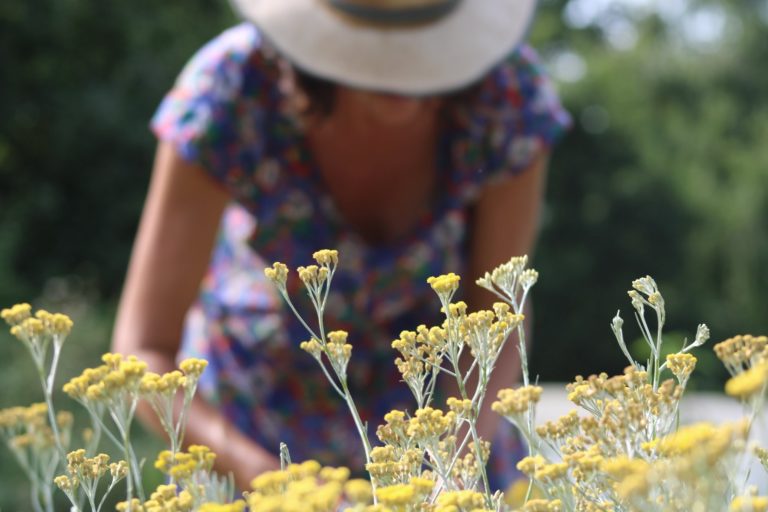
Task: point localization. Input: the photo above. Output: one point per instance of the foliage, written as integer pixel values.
(40, 438)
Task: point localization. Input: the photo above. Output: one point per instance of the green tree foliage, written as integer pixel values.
(664, 173)
(79, 81)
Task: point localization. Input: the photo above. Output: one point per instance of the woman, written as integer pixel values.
(411, 135)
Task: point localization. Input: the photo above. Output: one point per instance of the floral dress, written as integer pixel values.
(227, 112)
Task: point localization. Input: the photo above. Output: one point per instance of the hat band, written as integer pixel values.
(394, 15)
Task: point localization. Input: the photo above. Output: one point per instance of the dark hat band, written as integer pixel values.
(393, 16)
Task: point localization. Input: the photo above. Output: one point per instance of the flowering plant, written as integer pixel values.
(621, 450)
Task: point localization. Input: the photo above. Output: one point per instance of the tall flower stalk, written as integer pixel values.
(330, 349)
(38, 334)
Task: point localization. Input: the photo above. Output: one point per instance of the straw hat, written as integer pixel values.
(398, 46)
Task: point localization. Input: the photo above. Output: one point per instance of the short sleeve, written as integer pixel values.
(516, 117)
(203, 114)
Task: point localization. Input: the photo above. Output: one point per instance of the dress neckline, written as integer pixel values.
(300, 161)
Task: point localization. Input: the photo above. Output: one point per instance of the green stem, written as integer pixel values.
(479, 458)
(44, 382)
(361, 430)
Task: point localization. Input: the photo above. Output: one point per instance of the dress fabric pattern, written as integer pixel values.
(228, 113)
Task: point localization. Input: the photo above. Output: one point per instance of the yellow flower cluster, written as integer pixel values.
(514, 402)
(306, 487)
(703, 440)
(313, 276)
(394, 430)
(462, 408)
(584, 463)
(123, 378)
(741, 352)
(16, 314)
(326, 257)
(486, 331)
(762, 455)
(166, 384)
(749, 504)
(445, 285)
(237, 506)
(14, 419)
(687, 473)
(86, 472)
(560, 429)
(422, 353)
(182, 466)
(749, 382)
(681, 366)
(38, 330)
(278, 274)
(543, 505)
(405, 496)
(389, 466)
(428, 425)
(193, 367)
(26, 429)
(163, 499)
(336, 348)
(113, 381)
(464, 500)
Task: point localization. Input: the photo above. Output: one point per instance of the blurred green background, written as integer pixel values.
(664, 173)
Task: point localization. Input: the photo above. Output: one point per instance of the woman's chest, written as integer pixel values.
(380, 189)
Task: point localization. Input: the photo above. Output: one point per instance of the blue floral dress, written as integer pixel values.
(227, 113)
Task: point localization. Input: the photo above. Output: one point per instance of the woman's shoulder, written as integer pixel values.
(227, 63)
(520, 82)
(215, 112)
(515, 117)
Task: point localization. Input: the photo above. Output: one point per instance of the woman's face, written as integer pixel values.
(386, 109)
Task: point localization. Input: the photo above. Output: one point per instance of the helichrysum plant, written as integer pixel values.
(622, 449)
(40, 438)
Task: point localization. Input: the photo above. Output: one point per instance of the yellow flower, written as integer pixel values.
(749, 504)
(528, 465)
(460, 407)
(358, 490)
(681, 365)
(313, 347)
(542, 505)
(398, 495)
(444, 285)
(516, 401)
(237, 506)
(326, 257)
(16, 314)
(193, 367)
(339, 475)
(464, 500)
(278, 273)
(748, 383)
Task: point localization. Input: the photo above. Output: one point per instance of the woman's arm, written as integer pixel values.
(505, 224)
(170, 255)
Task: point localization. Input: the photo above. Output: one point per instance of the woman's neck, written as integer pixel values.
(380, 174)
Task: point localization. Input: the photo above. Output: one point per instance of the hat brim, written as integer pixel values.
(442, 56)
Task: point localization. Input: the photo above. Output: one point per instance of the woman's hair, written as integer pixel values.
(321, 94)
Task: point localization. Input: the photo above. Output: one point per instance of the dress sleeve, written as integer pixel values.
(518, 116)
(199, 115)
